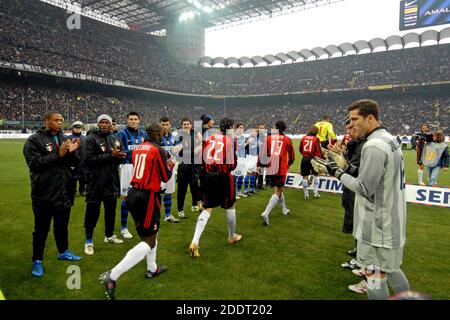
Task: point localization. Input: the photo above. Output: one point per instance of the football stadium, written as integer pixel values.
(312, 173)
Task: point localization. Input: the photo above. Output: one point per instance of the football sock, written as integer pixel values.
(282, 202)
(132, 258)
(246, 183)
(398, 281)
(231, 221)
(123, 214)
(167, 204)
(201, 224)
(272, 203)
(315, 184)
(151, 258)
(305, 187)
(377, 288)
(252, 183)
(420, 176)
(240, 180)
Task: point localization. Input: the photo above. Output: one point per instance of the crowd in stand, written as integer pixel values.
(401, 113)
(35, 33)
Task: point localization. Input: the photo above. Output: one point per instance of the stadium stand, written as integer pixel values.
(139, 59)
(299, 112)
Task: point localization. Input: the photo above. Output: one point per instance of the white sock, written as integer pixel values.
(282, 202)
(231, 221)
(151, 258)
(305, 188)
(272, 203)
(316, 185)
(132, 258)
(420, 176)
(201, 224)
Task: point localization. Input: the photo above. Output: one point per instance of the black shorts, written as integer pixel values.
(218, 190)
(275, 181)
(306, 168)
(145, 208)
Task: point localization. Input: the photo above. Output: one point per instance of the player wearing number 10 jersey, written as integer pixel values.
(150, 168)
(219, 160)
(310, 148)
(280, 152)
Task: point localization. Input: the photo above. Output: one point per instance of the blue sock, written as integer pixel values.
(252, 183)
(123, 214)
(167, 204)
(246, 183)
(240, 180)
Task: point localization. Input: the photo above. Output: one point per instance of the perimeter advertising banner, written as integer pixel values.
(423, 13)
(433, 196)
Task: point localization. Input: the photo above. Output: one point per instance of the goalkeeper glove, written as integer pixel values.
(327, 166)
(339, 159)
(343, 164)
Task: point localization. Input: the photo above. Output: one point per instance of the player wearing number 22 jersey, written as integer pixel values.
(280, 153)
(219, 160)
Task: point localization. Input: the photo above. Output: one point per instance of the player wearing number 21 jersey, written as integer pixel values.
(279, 151)
(219, 160)
(310, 148)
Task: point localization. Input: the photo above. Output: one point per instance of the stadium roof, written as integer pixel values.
(377, 44)
(154, 15)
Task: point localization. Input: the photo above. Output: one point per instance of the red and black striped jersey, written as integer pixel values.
(149, 167)
(280, 151)
(310, 147)
(219, 153)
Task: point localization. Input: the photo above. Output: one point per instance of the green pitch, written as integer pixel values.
(297, 257)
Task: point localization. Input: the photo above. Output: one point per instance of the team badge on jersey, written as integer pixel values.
(102, 146)
(49, 147)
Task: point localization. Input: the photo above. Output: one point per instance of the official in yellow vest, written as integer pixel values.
(326, 134)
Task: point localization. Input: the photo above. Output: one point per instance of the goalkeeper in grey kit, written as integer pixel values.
(380, 203)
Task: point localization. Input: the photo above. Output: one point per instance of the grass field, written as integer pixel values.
(297, 257)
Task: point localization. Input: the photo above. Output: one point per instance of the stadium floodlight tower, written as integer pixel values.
(185, 38)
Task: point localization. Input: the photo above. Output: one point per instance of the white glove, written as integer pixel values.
(339, 159)
(319, 167)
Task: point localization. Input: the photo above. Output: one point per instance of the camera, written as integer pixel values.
(424, 137)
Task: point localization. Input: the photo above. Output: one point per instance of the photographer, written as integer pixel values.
(422, 138)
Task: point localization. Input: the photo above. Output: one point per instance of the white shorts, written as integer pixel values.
(169, 186)
(251, 163)
(126, 174)
(241, 169)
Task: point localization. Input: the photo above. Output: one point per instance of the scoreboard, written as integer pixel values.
(423, 13)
